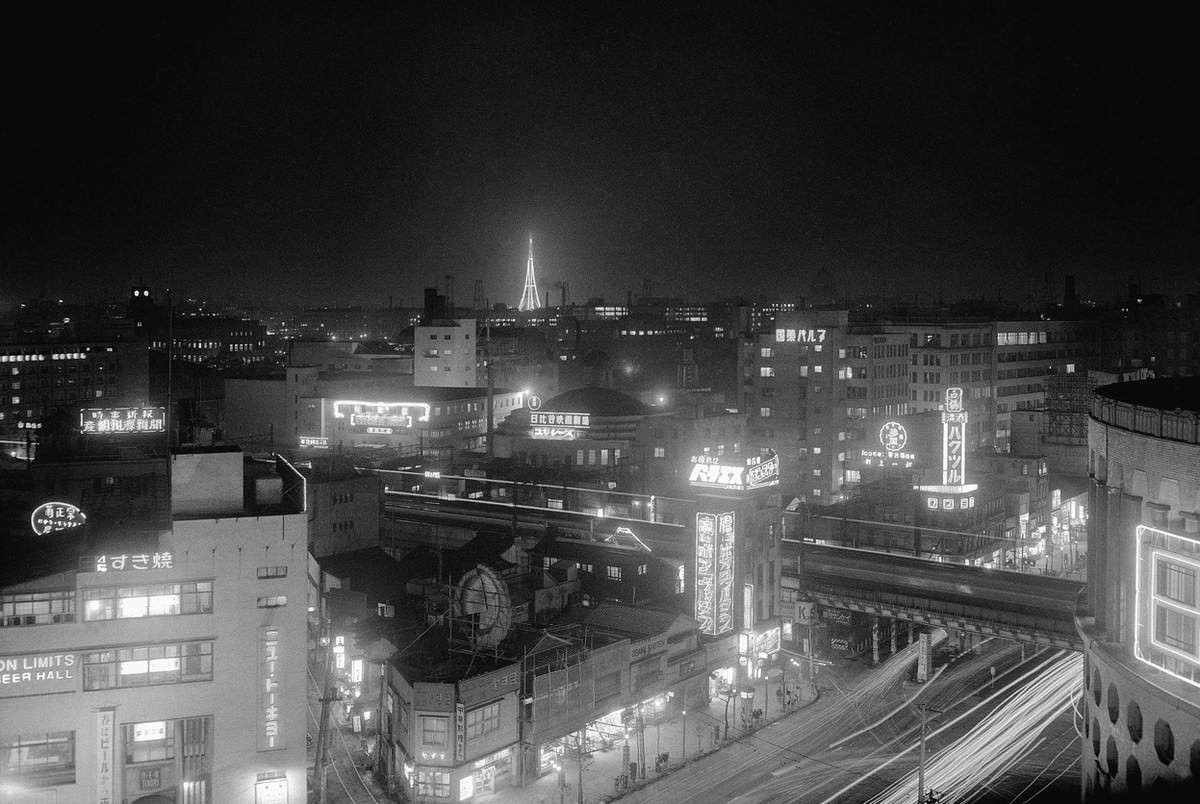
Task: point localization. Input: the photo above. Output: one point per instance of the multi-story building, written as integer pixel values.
(954, 354)
(344, 507)
(1027, 352)
(37, 379)
(157, 655)
(817, 388)
(1141, 621)
(444, 354)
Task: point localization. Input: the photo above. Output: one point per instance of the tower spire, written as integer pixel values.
(529, 296)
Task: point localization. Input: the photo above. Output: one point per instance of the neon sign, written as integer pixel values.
(1164, 620)
(954, 426)
(122, 421)
(380, 418)
(547, 419)
(714, 572)
(126, 561)
(52, 517)
(760, 472)
(554, 433)
(949, 502)
(314, 442)
(725, 536)
(799, 335)
(269, 708)
(893, 437)
(706, 572)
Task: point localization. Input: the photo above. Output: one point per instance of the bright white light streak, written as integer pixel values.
(1001, 740)
(840, 794)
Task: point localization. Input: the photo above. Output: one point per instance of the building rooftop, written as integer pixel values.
(637, 620)
(1164, 393)
(597, 402)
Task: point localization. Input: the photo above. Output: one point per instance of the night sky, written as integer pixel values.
(342, 153)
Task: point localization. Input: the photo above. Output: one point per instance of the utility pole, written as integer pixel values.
(641, 743)
(328, 696)
(921, 762)
(579, 758)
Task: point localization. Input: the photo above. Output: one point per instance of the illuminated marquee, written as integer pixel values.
(799, 335)
(768, 641)
(759, 472)
(314, 442)
(380, 418)
(954, 427)
(122, 421)
(548, 419)
(53, 517)
(551, 426)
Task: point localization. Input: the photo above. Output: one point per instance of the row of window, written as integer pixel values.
(148, 665)
(120, 602)
(45, 759)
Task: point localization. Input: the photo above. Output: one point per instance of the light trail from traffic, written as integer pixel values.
(1002, 739)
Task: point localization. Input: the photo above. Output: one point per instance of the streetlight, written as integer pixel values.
(685, 736)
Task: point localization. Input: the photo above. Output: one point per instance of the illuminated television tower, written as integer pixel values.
(529, 296)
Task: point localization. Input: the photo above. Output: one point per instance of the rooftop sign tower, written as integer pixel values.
(529, 296)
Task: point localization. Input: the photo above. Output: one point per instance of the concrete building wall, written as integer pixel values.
(231, 554)
(1141, 625)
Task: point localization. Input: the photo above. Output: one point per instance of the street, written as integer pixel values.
(859, 740)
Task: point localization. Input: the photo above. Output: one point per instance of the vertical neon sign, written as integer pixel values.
(954, 428)
(725, 537)
(706, 579)
(269, 736)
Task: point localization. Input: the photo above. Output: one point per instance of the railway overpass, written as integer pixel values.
(1019, 606)
(1022, 607)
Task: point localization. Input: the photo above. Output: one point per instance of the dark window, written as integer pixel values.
(1164, 742)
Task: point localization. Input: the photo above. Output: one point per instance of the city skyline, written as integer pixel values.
(318, 156)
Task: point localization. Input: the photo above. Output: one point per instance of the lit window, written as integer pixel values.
(146, 665)
(660, 452)
(614, 573)
(152, 600)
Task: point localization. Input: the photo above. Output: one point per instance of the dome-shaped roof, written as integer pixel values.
(595, 401)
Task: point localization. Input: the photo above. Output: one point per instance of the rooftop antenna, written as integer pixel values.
(529, 296)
